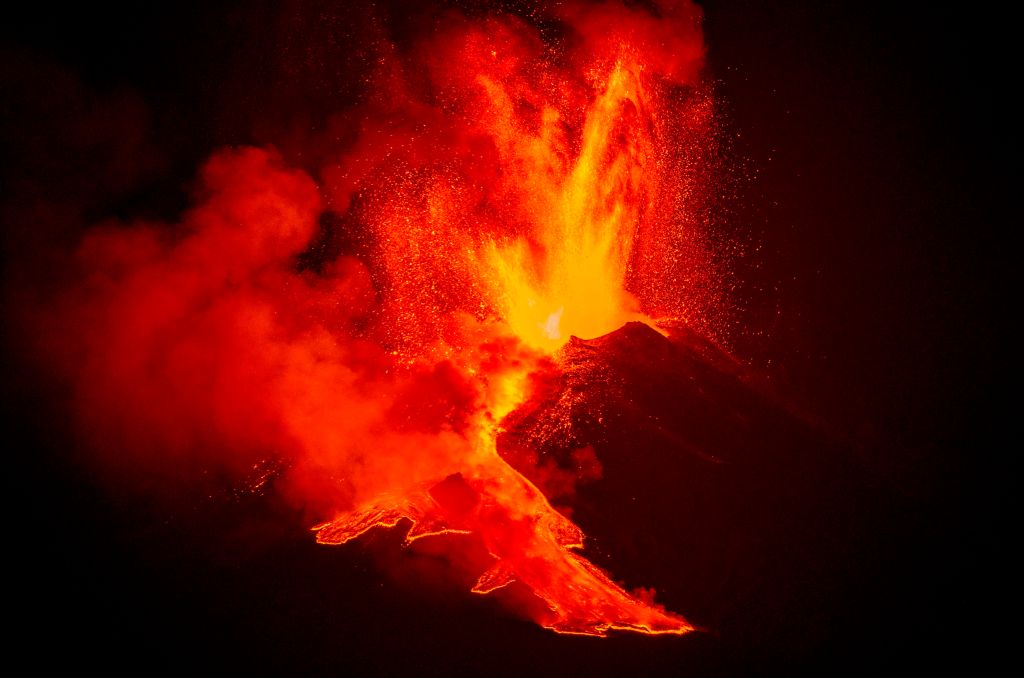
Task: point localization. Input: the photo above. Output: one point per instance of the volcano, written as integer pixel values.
(478, 336)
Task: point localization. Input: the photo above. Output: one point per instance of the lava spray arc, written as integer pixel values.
(508, 182)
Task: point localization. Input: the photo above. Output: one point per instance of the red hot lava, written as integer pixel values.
(509, 187)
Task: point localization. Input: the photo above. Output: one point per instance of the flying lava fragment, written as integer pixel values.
(508, 182)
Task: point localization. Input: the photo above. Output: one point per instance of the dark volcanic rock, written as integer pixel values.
(715, 494)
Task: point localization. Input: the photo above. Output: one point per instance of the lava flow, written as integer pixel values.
(507, 183)
(530, 541)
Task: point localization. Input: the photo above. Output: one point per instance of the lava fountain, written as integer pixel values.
(509, 182)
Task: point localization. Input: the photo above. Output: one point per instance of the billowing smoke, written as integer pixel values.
(201, 345)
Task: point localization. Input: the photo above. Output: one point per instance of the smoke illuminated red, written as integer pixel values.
(509, 183)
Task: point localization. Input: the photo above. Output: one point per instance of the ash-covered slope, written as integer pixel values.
(732, 508)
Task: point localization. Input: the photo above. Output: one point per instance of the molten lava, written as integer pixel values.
(585, 220)
(504, 186)
(530, 541)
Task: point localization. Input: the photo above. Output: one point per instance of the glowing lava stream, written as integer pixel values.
(531, 542)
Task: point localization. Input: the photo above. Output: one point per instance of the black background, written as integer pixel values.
(874, 149)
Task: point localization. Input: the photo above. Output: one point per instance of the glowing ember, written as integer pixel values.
(508, 189)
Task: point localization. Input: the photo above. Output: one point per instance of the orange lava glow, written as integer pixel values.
(586, 215)
(500, 188)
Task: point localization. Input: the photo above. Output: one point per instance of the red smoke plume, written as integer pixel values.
(507, 183)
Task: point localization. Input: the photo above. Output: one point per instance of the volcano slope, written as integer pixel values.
(689, 477)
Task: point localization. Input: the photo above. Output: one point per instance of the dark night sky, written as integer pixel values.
(875, 195)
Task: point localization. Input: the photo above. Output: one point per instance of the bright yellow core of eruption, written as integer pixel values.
(568, 278)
